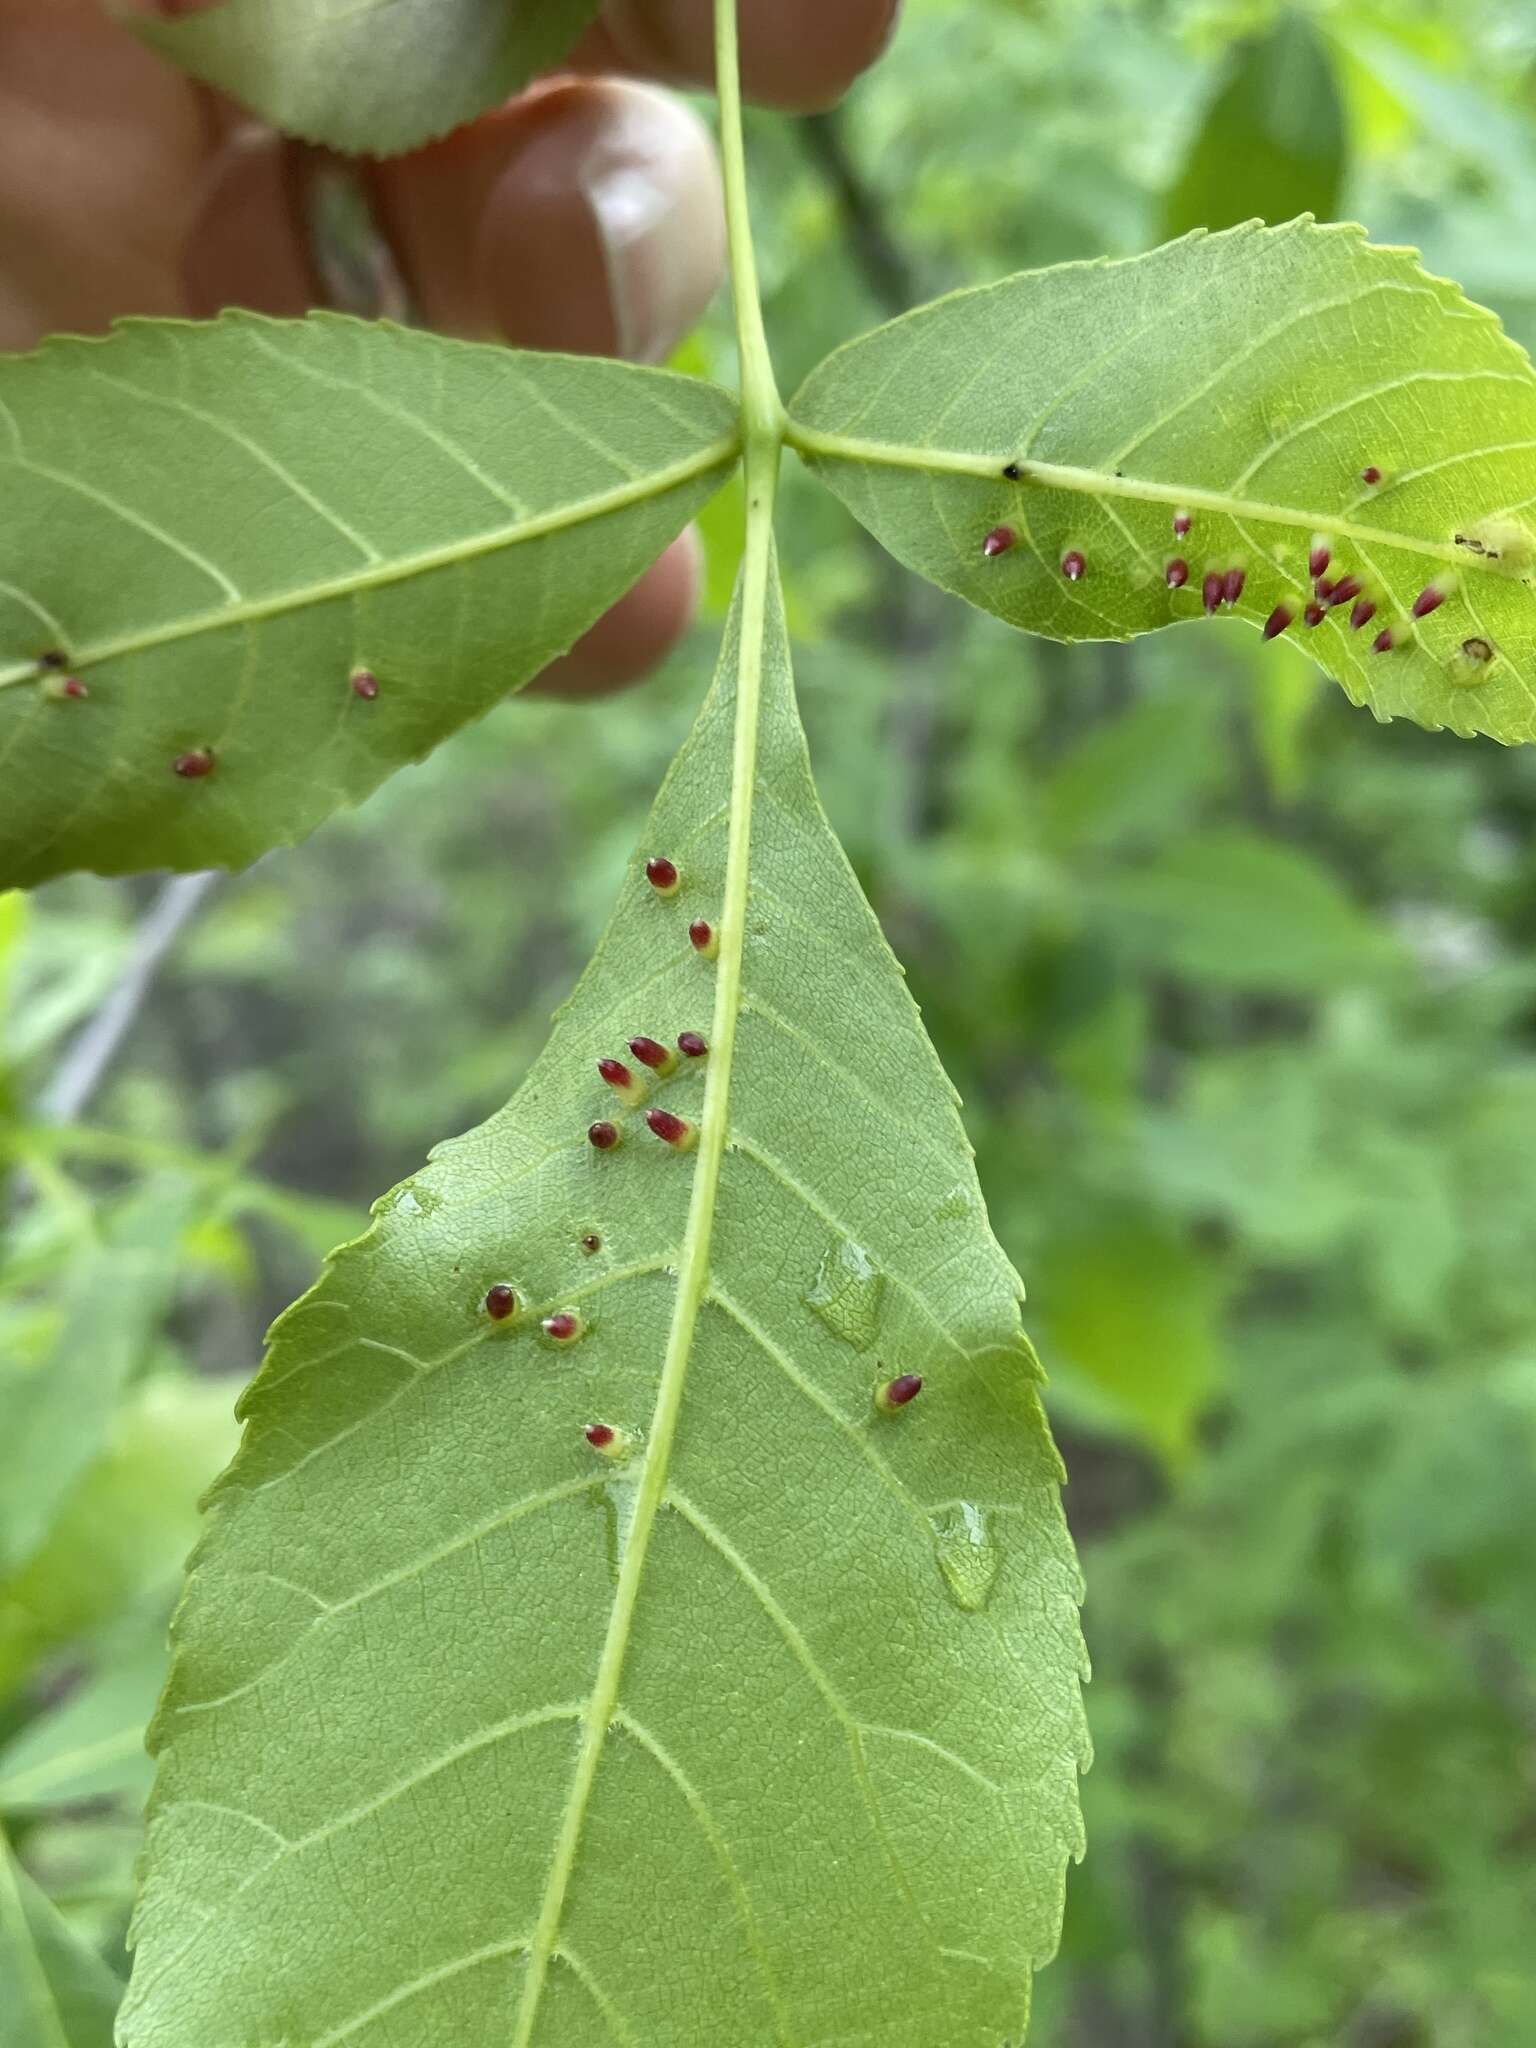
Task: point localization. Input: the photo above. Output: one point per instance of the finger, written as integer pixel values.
(101, 154)
(797, 54)
(586, 216)
(640, 630)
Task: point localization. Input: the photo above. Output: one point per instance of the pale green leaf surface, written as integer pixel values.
(371, 76)
(54, 1993)
(1249, 377)
(218, 523)
(823, 1662)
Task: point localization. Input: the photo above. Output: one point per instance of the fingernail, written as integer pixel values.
(654, 192)
(630, 173)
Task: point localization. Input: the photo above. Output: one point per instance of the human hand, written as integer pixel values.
(585, 215)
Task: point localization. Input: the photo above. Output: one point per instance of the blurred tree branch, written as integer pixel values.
(888, 273)
(88, 1060)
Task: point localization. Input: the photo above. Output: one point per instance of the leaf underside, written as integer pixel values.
(835, 1796)
(216, 525)
(1251, 377)
(372, 76)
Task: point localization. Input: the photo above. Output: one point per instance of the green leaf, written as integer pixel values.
(1132, 775)
(1271, 143)
(125, 1527)
(54, 1993)
(766, 1734)
(1236, 911)
(1249, 378)
(372, 76)
(61, 1408)
(218, 524)
(1135, 1313)
(91, 1746)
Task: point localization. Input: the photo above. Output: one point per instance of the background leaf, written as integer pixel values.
(61, 1405)
(124, 1529)
(373, 76)
(266, 506)
(1251, 377)
(91, 1745)
(1236, 911)
(1271, 143)
(1132, 1312)
(854, 1633)
(56, 1994)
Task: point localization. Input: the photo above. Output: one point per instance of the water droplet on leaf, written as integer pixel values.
(846, 1293)
(967, 1553)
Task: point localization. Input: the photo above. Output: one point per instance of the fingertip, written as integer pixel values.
(636, 634)
(247, 245)
(586, 216)
(798, 55)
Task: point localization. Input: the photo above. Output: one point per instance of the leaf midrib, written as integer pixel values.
(693, 1262)
(1097, 483)
(399, 570)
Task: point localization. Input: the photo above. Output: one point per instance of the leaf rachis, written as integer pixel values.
(763, 416)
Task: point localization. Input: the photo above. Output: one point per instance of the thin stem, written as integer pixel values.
(763, 427)
(762, 408)
(84, 1067)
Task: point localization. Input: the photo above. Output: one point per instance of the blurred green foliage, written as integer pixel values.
(1240, 991)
